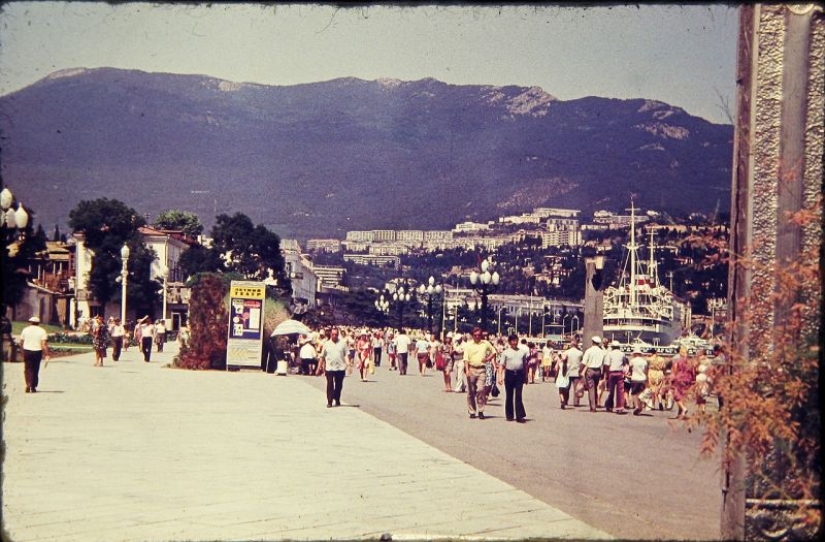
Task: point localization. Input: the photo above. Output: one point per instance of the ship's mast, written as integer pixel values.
(651, 266)
(632, 247)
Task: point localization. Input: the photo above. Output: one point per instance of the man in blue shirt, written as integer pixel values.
(512, 372)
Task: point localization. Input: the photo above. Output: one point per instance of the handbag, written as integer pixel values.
(580, 388)
(495, 391)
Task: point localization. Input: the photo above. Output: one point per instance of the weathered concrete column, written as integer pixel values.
(778, 153)
(593, 305)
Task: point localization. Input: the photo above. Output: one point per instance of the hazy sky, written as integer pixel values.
(682, 55)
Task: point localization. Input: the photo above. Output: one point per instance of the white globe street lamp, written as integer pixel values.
(124, 277)
(485, 283)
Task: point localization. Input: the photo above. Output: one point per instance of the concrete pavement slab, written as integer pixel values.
(141, 451)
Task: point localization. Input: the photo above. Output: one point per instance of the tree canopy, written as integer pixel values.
(184, 221)
(107, 225)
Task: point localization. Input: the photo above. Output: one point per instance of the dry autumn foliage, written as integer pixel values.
(770, 402)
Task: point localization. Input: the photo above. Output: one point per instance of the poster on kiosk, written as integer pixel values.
(246, 322)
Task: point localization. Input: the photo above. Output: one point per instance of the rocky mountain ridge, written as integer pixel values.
(318, 159)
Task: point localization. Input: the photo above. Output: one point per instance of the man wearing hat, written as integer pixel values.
(33, 341)
(616, 363)
(591, 370)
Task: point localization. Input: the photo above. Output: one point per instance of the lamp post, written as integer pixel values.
(499, 319)
(124, 278)
(430, 290)
(401, 298)
(485, 283)
(14, 222)
(382, 304)
(564, 323)
(164, 271)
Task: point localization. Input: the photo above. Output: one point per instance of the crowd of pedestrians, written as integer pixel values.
(477, 365)
(480, 365)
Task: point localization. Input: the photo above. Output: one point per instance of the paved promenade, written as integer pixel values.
(139, 451)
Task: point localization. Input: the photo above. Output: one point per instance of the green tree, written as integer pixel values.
(184, 221)
(208, 321)
(250, 250)
(106, 225)
(19, 248)
(199, 259)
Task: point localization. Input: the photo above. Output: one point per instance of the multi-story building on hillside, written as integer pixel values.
(168, 246)
(471, 227)
(324, 245)
(360, 235)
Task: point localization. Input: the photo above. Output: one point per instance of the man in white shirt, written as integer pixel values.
(117, 332)
(308, 356)
(574, 363)
(377, 347)
(511, 374)
(33, 340)
(591, 370)
(334, 363)
(615, 362)
(402, 350)
(638, 378)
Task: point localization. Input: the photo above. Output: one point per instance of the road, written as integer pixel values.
(634, 477)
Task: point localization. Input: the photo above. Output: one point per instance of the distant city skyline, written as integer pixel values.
(681, 55)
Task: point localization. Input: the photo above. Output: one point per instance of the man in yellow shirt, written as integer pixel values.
(477, 353)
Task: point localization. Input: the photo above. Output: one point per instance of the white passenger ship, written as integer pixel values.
(641, 309)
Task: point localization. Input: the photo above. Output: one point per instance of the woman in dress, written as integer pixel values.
(363, 349)
(444, 361)
(563, 383)
(683, 374)
(100, 339)
(533, 363)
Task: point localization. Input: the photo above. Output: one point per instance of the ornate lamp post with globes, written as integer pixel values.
(124, 279)
(14, 222)
(401, 297)
(485, 283)
(383, 305)
(430, 290)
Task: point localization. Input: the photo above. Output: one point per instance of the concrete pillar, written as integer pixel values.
(593, 305)
(778, 150)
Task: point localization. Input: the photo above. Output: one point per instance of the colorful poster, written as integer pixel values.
(246, 319)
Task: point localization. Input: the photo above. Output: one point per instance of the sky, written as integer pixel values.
(681, 55)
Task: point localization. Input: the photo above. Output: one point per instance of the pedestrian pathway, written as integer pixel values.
(141, 451)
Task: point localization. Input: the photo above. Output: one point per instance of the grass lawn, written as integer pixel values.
(57, 348)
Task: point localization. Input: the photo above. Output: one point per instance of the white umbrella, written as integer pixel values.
(290, 327)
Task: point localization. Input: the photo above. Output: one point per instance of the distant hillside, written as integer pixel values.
(323, 158)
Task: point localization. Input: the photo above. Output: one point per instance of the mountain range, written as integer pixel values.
(319, 159)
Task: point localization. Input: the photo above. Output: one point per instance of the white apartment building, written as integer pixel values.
(360, 235)
(470, 227)
(547, 212)
(410, 237)
(526, 218)
(384, 236)
(324, 245)
(373, 259)
(388, 249)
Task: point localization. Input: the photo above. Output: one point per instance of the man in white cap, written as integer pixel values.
(33, 341)
(615, 362)
(591, 370)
